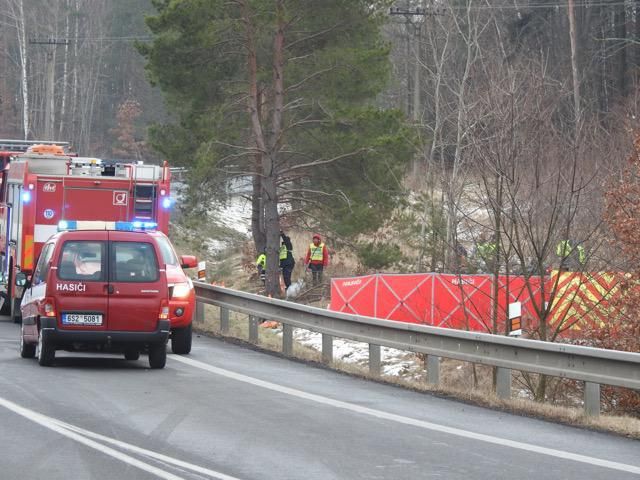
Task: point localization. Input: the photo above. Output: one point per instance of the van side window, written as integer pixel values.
(42, 268)
(133, 262)
(82, 261)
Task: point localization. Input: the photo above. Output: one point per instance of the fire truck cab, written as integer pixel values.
(46, 185)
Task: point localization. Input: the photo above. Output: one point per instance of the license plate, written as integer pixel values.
(82, 319)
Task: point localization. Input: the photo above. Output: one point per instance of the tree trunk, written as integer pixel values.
(65, 73)
(22, 47)
(621, 38)
(577, 102)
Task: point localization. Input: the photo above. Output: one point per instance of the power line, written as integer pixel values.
(539, 5)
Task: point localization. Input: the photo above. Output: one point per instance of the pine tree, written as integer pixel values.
(283, 91)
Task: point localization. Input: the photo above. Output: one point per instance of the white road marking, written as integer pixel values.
(411, 421)
(80, 435)
(149, 453)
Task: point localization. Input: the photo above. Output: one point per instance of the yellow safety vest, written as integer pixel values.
(283, 252)
(317, 252)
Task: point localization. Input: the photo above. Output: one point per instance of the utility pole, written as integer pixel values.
(409, 14)
(49, 116)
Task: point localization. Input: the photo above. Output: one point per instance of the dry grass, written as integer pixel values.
(458, 379)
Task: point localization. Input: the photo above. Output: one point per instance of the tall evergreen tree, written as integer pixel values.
(283, 91)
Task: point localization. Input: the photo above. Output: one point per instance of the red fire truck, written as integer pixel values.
(45, 185)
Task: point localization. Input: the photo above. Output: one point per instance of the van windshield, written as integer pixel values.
(168, 255)
(82, 260)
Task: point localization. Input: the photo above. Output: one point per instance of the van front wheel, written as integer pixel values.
(157, 355)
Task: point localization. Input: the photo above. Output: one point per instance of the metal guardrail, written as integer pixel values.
(592, 365)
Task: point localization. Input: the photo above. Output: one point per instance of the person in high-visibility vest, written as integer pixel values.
(317, 258)
(572, 258)
(261, 264)
(486, 251)
(287, 262)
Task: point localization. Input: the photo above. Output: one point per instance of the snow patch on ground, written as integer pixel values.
(394, 362)
(234, 214)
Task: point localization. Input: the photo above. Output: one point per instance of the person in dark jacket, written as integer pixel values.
(287, 261)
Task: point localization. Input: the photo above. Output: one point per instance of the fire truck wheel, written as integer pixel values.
(27, 350)
(157, 355)
(181, 340)
(46, 352)
(16, 314)
(6, 304)
(131, 354)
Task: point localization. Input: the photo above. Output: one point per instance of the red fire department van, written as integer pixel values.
(104, 290)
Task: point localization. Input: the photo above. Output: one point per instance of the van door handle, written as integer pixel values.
(110, 289)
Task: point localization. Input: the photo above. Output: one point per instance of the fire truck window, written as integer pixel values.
(82, 260)
(42, 268)
(134, 262)
(168, 255)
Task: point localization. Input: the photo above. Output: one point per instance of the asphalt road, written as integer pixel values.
(233, 413)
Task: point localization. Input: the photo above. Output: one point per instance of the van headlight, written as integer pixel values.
(180, 290)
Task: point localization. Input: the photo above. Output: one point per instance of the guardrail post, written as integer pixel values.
(503, 382)
(199, 312)
(253, 328)
(433, 369)
(327, 349)
(592, 399)
(374, 360)
(224, 320)
(287, 339)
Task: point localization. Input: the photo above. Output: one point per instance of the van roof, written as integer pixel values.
(101, 234)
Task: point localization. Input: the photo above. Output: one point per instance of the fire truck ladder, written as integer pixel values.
(23, 145)
(144, 196)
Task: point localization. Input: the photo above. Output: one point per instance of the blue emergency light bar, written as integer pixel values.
(135, 226)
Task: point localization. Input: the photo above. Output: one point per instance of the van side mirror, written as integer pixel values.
(21, 279)
(188, 261)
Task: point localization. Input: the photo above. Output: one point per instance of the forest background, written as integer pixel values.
(403, 130)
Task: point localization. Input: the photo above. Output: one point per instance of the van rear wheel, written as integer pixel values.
(46, 352)
(157, 355)
(181, 340)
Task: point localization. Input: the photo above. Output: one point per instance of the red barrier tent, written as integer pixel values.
(453, 301)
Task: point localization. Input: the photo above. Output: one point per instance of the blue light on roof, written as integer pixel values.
(67, 225)
(26, 197)
(137, 225)
(166, 202)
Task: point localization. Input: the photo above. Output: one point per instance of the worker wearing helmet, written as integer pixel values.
(317, 258)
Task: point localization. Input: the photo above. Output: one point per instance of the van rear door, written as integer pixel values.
(79, 283)
(137, 283)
